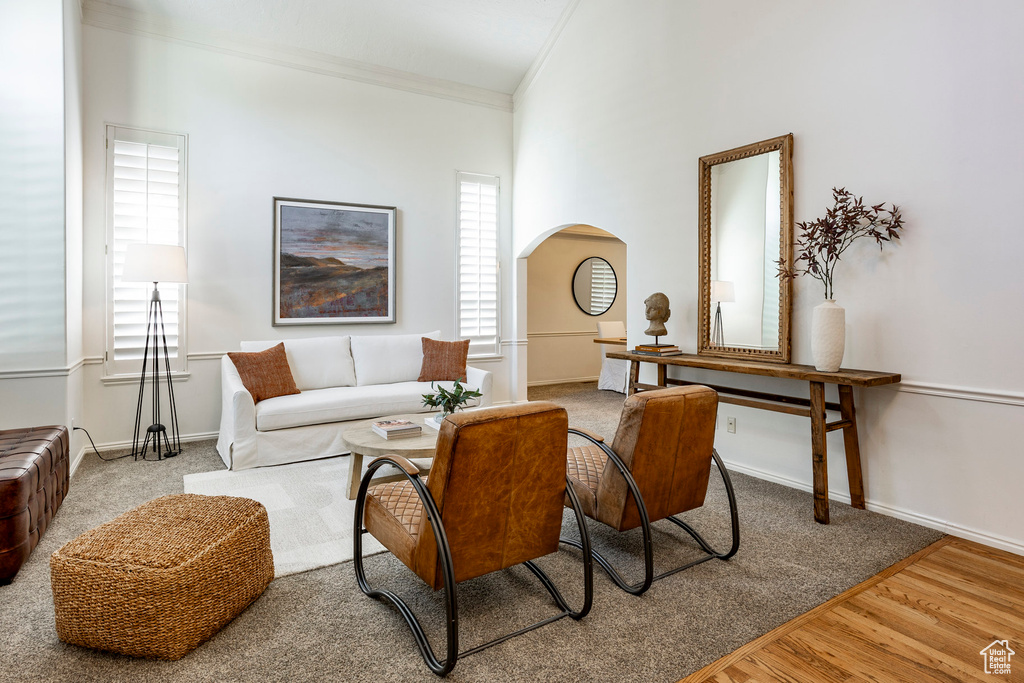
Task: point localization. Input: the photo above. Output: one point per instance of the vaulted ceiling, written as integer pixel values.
(487, 44)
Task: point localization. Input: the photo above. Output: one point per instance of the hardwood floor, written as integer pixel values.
(926, 618)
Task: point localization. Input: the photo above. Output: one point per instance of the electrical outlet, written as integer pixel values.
(730, 425)
(74, 423)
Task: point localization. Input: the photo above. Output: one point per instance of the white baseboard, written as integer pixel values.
(993, 540)
(568, 380)
(76, 461)
(117, 445)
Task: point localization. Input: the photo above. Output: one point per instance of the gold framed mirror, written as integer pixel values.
(746, 227)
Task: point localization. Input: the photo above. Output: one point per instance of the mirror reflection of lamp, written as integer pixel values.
(721, 291)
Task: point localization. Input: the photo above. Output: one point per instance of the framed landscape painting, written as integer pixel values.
(333, 263)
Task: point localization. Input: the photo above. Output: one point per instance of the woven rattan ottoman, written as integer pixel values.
(163, 578)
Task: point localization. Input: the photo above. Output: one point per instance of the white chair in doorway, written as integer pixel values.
(613, 370)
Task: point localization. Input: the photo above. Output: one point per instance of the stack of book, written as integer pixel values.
(396, 429)
(657, 350)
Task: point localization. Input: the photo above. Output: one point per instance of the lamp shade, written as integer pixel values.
(723, 291)
(154, 263)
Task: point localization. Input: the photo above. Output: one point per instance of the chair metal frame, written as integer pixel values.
(452, 654)
(645, 525)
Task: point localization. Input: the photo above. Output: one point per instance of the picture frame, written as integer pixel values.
(334, 263)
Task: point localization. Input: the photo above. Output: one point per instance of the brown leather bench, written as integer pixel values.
(34, 475)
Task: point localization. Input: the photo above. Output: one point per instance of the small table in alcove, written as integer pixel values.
(813, 407)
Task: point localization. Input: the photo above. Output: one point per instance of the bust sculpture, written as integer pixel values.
(658, 313)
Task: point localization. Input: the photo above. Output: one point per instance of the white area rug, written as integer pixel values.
(311, 519)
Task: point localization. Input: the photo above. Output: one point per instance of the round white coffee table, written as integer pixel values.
(363, 441)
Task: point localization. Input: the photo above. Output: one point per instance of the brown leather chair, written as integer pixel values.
(658, 466)
(493, 499)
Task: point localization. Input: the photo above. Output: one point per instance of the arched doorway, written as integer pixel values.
(560, 319)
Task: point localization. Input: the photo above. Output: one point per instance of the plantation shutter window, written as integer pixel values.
(478, 262)
(602, 286)
(145, 203)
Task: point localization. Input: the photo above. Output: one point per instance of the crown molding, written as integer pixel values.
(542, 57)
(115, 18)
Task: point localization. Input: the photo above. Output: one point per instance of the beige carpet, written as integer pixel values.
(318, 626)
(311, 517)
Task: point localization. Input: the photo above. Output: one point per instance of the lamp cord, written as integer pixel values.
(96, 450)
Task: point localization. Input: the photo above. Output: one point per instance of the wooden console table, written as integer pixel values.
(813, 407)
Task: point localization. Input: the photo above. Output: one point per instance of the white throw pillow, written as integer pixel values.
(316, 362)
(389, 358)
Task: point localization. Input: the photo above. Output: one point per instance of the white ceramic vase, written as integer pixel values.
(828, 335)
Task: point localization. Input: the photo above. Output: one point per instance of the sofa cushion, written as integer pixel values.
(340, 404)
(316, 362)
(444, 360)
(388, 358)
(265, 374)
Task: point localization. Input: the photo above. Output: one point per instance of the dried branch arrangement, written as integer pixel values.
(820, 243)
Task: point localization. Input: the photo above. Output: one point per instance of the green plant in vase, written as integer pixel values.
(449, 400)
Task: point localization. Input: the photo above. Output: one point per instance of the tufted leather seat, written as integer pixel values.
(584, 466)
(34, 477)
(400, 501)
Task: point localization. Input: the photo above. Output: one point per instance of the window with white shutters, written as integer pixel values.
(602, 286)
(478, 262)
(145, 203)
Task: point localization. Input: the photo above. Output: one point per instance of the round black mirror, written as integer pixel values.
(594, 286)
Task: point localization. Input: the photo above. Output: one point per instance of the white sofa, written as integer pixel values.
(341, 379)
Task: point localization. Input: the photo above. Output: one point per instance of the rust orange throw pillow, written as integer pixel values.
(443, 360)
(265, 374)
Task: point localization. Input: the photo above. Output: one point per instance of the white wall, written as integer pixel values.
(257, 131)
(73, 175)
(41, 214)
(32, 332)
(75, 399)
(911, 102)
(561, 347)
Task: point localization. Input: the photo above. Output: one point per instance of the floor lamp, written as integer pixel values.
(721, 291)
(155, 263)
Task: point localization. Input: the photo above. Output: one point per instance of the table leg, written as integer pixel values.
(852, 443)
(634, 377)
(662, 374)
(355, 471)
(819, 457)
